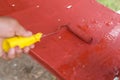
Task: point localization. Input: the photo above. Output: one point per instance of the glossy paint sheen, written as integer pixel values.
(63, 53)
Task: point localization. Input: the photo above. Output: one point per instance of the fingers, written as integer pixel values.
(4, 56)
(1, 53)
(15, 52)
(27, 34)
(18, 51)
(11, 28)
(20, 31)
(26, 50)
(1, 50)
(32, 46)
(11, 53)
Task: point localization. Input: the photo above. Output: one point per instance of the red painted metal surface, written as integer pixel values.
(66, 55)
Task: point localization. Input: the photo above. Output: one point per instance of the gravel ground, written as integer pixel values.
(24, 68)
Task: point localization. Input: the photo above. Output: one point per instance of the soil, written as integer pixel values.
(23, 68)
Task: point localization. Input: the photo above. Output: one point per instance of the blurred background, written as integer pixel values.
(112, 4)
(25, 68)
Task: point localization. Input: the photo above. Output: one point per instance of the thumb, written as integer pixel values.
(20, 31)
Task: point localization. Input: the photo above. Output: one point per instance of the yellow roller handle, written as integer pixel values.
(20, 41)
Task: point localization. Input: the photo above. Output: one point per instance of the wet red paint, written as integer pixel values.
(81, 34)
(64, 54)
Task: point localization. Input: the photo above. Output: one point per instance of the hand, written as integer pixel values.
(9, 27)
